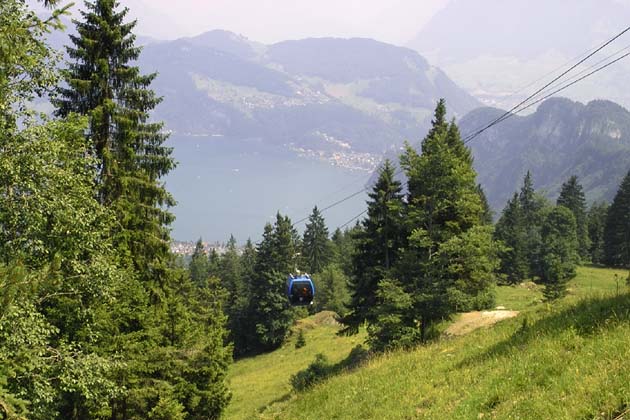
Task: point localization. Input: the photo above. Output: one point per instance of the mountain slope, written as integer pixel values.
(325, 94)
(567, 361)
(562, 138)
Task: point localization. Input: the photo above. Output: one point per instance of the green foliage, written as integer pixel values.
(575, 348)
(300, 341)
(617, 228)
(559, 250)
(343, 246)
(316, 249)
(321, 369)
(512, 232)
(103, 85)
(596, 219)
(270, 315)
(471, 259)
(331, 290)
(447, 260)
(377, 246)
(393, 326)
(519, 229)
(27, 65)
(572, 197)
(199, 265)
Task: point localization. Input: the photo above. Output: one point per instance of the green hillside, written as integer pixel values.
(569, 360)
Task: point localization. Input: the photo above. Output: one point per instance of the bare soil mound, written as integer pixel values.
(470, 321)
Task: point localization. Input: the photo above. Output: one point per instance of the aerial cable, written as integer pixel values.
(567, 84)
(521, 106)
(572, 83)
(352, 220)
(491, 124)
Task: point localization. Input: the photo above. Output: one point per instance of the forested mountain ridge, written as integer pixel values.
(562, 138)
(362, 94)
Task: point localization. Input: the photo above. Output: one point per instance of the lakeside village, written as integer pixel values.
(187, 248)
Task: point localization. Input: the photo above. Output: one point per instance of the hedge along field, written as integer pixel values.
(563, 361)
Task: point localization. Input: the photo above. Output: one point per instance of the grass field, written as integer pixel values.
(259, 381)
(569, 360)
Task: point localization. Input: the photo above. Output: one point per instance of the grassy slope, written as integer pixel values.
(569, 361)
(259, 381)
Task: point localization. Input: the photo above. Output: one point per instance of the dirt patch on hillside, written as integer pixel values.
(320, 318)
(470, 321)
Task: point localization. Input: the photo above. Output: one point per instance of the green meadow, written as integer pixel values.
(567, 360)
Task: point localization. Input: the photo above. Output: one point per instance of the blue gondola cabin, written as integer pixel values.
(300, 290)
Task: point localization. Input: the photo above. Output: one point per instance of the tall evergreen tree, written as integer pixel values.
(596, 222)
(559, 252)
(488, 214)
(443, 207)
(617, 229)
(572, 197)
(511, 231)
(103, 84)
(199, 267)
(377, 246)
(316, 249)
(242, 324)
(270, 312)
(154, 316)
(533, 208)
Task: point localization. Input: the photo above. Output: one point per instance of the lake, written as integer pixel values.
(225, 186)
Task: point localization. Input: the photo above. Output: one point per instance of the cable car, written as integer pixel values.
(300, 290)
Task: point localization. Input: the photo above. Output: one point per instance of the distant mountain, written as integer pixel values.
(314, 95)
(495, 47)
(562, 138)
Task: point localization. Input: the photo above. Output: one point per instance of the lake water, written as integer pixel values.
(225, 186)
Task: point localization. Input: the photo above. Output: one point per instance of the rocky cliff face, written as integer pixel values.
(562, 138)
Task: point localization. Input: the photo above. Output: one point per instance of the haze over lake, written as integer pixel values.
(226, 186)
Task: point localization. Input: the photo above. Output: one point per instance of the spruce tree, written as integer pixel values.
(511, 231)
(154, 317)
(617, 229)
(270, 312)
(199, 267)
(444, 215)
(241, 322)
(559, 252)
(316, 249)
(572, 197)
(596, 222)
(533, 208)
(103, 84)
(377, 245)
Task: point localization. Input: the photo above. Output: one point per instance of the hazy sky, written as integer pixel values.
(394, 21)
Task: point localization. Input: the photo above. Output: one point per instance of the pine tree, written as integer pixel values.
(596, 222)
(270, 312)
(488, 214)
(559, 252)
(377, 245)
(242, 323)
(153, 317)
(511, 231)
(199, 267)
(104, 85)
(332, 290)
(316, 250)
(443, 207)
(533, 208)
(572, 197)
(617, 229)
